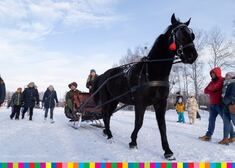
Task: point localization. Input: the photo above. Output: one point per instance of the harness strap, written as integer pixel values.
(158, 83)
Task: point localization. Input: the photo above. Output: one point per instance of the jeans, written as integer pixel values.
(30, 112)
(15, 112)
(228, 127)
(214, 110)
(51, 112)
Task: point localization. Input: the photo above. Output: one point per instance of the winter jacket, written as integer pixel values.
(70, 96)
(192, 107)
(214, 88)
(180, 107)
(229, 97)
(16, 99)
(30, 96)
(2, 91)
(49, 99)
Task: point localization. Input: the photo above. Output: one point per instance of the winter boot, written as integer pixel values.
(205, 138)
(52, 121)
(224, 141)
(231, 140)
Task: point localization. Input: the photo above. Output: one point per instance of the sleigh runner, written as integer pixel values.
(79, 110)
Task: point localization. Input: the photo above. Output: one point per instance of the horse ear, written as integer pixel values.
(187, 23)
(173, 19)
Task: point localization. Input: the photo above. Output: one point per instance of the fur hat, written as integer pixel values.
(31, 84)
(19, 89)
(230, 75)
(73, 84)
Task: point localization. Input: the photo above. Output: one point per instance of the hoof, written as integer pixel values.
(133, 145)
(169, 157)
(110, 140)
(104, 132)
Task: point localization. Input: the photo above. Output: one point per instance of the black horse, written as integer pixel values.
(147, 82)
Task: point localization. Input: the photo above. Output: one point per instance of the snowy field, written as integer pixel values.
(36, 140)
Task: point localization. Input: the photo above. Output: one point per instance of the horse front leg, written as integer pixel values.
(106, 119)
(107, 113)
(160, 110)
(139, 117)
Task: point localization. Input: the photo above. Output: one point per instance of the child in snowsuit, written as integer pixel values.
(192, 107)
(180, 108)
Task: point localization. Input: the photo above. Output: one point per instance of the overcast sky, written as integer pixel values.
(59, 41)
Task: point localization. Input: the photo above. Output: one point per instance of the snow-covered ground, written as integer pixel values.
(35, 140)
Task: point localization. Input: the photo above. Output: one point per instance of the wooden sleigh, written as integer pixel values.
(84, 110)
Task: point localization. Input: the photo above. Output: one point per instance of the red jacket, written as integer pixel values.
(214, 88)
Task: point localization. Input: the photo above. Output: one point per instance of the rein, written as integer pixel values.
(132, 89)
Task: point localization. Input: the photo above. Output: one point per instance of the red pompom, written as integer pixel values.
(172, 47)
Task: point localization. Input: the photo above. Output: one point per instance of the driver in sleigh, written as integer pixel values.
(72, 97)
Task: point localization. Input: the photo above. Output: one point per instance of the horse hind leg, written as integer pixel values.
(139, 117)
(107, 113)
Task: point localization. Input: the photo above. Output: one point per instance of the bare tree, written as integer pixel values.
(175, 76)
(186, 77)
(196, 72)
(221, 50)
(134, 56)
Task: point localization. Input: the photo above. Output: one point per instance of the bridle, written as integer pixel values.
(181, 47)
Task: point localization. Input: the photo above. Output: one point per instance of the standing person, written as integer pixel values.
(180, 108)
(30, 96)
(178, 97)
(214, 90)
(2, 91)
(49, 99)
(16, 103)
(90, 80)
(228, 99)
(198, 115)
(192, 107)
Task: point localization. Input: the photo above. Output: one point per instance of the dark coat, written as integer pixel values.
(90, 81)
(30, 96)
(229, 97)
(49, 99)
(2, 91)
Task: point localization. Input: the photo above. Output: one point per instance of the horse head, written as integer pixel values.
(181, 41)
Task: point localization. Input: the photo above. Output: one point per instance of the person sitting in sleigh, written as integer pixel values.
(72, 97)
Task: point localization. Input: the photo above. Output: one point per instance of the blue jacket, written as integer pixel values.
(49, 99)
(229, 97)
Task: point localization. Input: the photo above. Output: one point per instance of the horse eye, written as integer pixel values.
(190, 31)
(192, 36)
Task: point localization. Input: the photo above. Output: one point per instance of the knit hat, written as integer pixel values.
(73, 84)
(92, 70)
